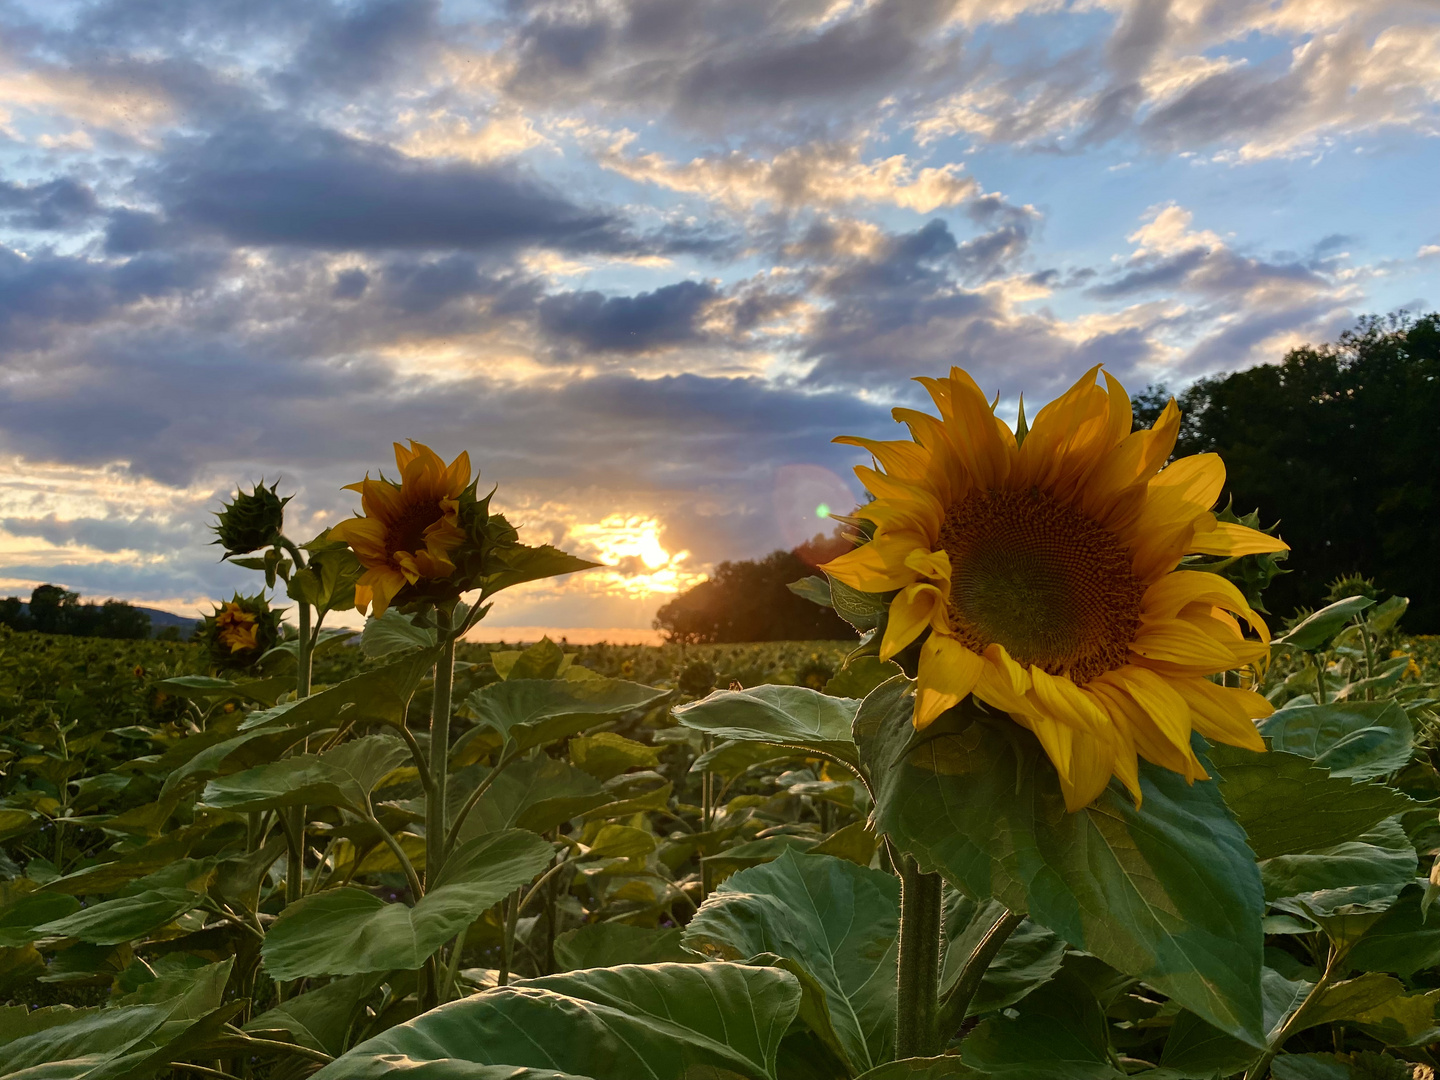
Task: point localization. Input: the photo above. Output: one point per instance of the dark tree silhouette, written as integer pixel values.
(1341, 443)
(750, 601)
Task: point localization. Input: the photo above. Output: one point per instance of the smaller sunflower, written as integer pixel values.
(235, 628)
(408, 531)
(240, 631)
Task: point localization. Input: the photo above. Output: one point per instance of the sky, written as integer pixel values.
(644, 259)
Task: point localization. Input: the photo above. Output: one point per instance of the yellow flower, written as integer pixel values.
(1046, 572)
(408, 530)
(235, 628)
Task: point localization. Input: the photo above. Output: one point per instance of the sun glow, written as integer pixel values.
(636, 562)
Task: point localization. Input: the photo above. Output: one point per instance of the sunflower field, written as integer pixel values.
(1067, 806)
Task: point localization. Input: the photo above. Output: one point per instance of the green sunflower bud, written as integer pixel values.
(251, 521)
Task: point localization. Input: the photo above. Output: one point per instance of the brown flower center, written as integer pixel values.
(1042, 580)
(407, 531)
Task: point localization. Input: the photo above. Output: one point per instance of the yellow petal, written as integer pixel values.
(909, 617)
(1225, 713)
(934, 565)
(1175, 501)
(1167, 597)
(948, 672)
(1107, 496)
(1061, 699)
(1135, 724)
(878, 566)
(1167, 710)
(1229, 538)
(1183, 645)
(901, 459)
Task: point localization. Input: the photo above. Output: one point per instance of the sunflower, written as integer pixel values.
(408, 530)
(235, 628)
(1045, 566)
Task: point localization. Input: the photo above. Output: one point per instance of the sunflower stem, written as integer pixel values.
(295, 862)
(435, 829)
(918, 986)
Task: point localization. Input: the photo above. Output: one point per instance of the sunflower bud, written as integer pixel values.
(240, 631)
(249, 522)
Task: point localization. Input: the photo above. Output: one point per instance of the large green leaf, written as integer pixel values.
(532, 712)
(1059, 1033)
(394, 632)
(788, 715)
(659, 1021)
(83, 1039)
(838, 921)
(1358, 740)
(124, 918)
(1405, 939)
(1167, 892)
(17, 921)
(1030, 956)
(536, 793)
(936, 1068)
(321, 1019)
(343, 776)
(379, 695)
(608, 944)
(1316, 631)
(1378, 864)
(517, 563)
(350, 931)
(1288, 805)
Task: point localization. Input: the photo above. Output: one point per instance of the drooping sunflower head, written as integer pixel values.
(240, 631)
(408, 530)
(1046, 569)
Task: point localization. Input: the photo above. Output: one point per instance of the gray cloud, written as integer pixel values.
(51, 205)
(666, 316)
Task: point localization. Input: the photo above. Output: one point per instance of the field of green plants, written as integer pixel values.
(1158, 844)
(150, 914)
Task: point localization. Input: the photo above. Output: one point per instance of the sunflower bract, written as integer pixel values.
(1046, 572)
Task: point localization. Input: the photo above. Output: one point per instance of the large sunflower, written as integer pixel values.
(408, 530)
(1045, 568)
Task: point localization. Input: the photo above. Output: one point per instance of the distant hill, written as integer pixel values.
(159, 620)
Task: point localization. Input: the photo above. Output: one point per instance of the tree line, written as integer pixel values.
(56, 610)
(1338, 443)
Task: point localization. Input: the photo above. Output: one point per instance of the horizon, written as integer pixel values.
(643, 262)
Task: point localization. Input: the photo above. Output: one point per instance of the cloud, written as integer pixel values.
(52, 205)
(667, 316)
(263, 182)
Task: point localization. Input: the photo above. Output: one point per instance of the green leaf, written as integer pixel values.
(838, 921)
(1195, 1047)
(1287, 805)
(18, 921)
(610, 944)
(862, 610)
(174, 1042)
(521, 564)
(379, 695)
(543, 660)
(856, 842)
(1315, 632)
(124, 918)
(1030, 956)
(860, 676)
(1402, 940)
(814, 588)
(752, 853)
(1382, 859)
(536, 793)
(1059, 1034)
(321, 1019)
(1357, 740)
(350, 931)
(620, 1023)
(1168, 893)
(343, 776)
(85, 1037)
(328, 583)
(1350, 999)
(533, 712)
(730, 759)
(607, 754)
(936, 1068)
(394, 632)
(1383, 618)
(789, 715)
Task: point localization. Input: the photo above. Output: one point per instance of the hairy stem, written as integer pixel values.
(918, 987)
(1261, 1068)
(435, 830)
